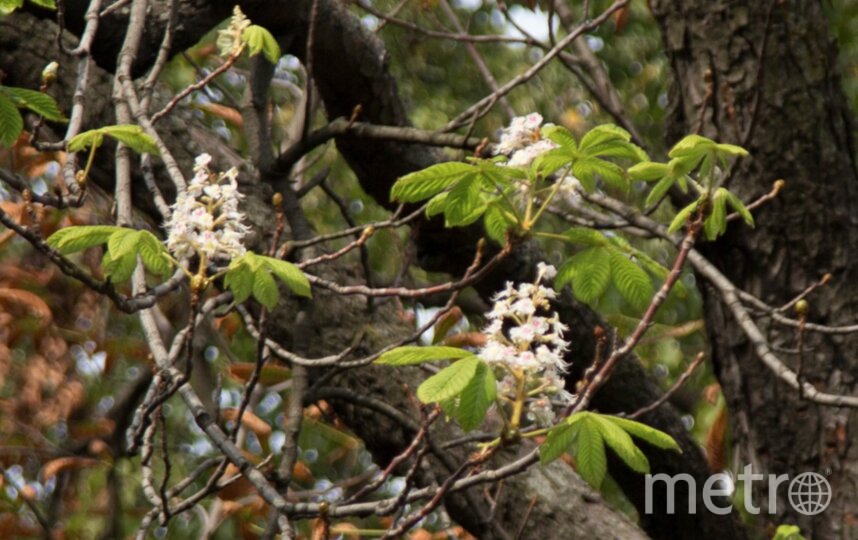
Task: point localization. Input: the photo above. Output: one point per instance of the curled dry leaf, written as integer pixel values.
(250, 421)
(60, 465)
(30, 301)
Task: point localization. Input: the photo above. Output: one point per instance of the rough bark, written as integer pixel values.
(775, 89)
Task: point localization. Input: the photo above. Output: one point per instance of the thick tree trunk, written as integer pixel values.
(763, 75)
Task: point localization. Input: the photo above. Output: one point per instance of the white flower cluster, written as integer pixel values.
(526, 338)
(229, 39)
(523, 141)
(205, 219)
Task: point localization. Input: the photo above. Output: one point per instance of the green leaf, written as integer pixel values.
(464, 204)
(448, 382)
(153, 253)
(431, 181)
(239, 280)
(658, 270)
(497, 224)
(788, 532)
(415, 354)
(87, 139)
(649, 171)
(630, 279)
(602, 134)
(560, 136)
(592, 464)
(499, 176)
(589, 170)
(682, 217)
(11, 123)
(583, 236)
(731, 150)
(476, 398)
(618, 150)
(8, 6)
(590, 273)
(737, 205)
(552, 161)
(73, 239)
(289, 274)
(119, 269)
(691, 145)
(558, 442)
(436, 204)
(716, 222)
(659, 190)
(621, 443)
(47, 4)
(258, 40)
(265, 289)
(130, 135)
(38, 102)
(133, 137)
(123, 242)
(644, 432)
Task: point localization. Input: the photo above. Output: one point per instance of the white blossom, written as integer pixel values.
(522, 140)
(205, 220)
(229, 39)
(525, 339)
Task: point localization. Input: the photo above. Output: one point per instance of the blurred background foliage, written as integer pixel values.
(67, 356)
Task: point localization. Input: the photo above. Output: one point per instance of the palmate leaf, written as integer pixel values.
(660, 190)
(38, 102)
(682, 216)
(589, 273)
(497, 223)
(476, 398)
(559, 441)
(601, 135)
(11, 122)
(265, 289)
(716, 223)
(590, 459)
(8, 6)
(258, 40)
(464, 204)
(118, 269)
(448, 382)
(252, 274)
(648, 171)
(589, 170)
(130, 135)
(657, 438)
(633, 283)
(553, 160)
(560, 136)
(739, 207)
(123, 247)
(289, 274)
(239, 281)
(415, 354)
(123, 242)
(431, 181)
(153, 254)
(583, 236)
(589, 432)
(74, 239)
(621, 443)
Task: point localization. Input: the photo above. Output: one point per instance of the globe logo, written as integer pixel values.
(809, 493)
